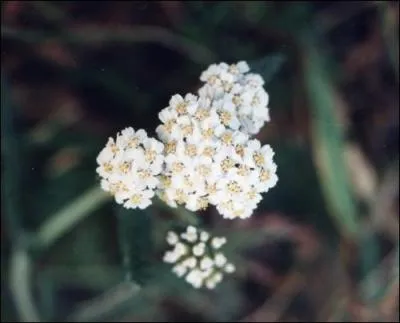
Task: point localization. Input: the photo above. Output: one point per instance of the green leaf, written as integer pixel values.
(328, 137)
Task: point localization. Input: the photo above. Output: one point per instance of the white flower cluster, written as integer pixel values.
(207, 156)
(129, 167)
(197, 256)
(237, 94)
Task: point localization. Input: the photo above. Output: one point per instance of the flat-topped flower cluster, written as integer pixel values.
(204, 155)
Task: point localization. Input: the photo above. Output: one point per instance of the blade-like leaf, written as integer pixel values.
(327, 139)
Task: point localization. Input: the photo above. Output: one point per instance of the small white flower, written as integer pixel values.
(218, 242)
(206, 263)
(195, 278)
(179, 270)
(230, 268)
(242, 67)
(204, 236)
(217, 277)
(220, 260)
(170, 257)
(139, 200)
(213, 280)
(180, 249)
(210, 283)
(172, 238)
(199, 249)
(190, 262)
(190, 234)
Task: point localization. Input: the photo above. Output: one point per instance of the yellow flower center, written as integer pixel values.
(252, 194)
(207, 133)
(136, 199)
(227, 164)
(258, 159)
(202, 203)
(181, 108)
(239, 150)
(225, 117)
(108, 168)
(204, 170)
(233, 69)
(226, 138)
(170, 148)
(211, 189)
(209, 151)
(180, 196)
(202, 114)
(124, 167)
(177, 167)
(133, 143)
(117, 187)
(150, 155)
(165, 181)
(191, 150)
(237, 100)
(187, 181)
(234, 187)
(169, 125)
(243, 170)
(264, 175)
(187, 130)
(238, 213)
(227, 86)
(144, 174)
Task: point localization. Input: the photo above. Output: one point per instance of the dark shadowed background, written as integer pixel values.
(322, 245)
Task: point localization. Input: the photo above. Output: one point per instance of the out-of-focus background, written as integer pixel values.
(323, 244)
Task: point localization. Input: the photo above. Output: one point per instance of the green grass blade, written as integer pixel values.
(328, 140)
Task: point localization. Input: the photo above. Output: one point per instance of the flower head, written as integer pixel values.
(238, 96)
(188, 131)
(129, 166)
(246, 171)
(206, 155)
(198, 258)
(208, 160)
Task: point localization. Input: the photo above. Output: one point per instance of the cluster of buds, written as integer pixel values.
(204, 155)
(197, 257)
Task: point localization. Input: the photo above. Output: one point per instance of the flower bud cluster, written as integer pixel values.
(197, 257)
